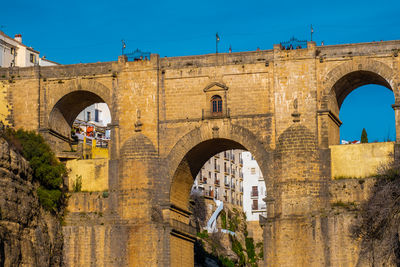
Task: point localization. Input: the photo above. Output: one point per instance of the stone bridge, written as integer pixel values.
(170, 115)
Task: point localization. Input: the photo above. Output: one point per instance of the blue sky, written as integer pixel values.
(91, 31)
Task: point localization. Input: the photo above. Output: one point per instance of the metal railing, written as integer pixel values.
(258, 207)
(207, 114)
(227, 170)
(254, 193)
(217, 168)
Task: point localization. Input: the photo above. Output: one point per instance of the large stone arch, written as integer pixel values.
(340, 82)
(184, 161)
(210, 139)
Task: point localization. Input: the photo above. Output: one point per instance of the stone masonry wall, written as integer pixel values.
(29, 236)
(281, 105)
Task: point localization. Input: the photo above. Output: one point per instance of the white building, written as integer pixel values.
(254, 188)
(97, 114)
(221, 178)
(13, 53)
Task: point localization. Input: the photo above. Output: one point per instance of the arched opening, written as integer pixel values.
(360, 92)
(78, 129)
(364, 103)
(368, 107)
(75, 113)
(221, 189)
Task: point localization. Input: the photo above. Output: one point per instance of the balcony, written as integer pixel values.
(259, 207)
(217, 168)
(207, 114)
(227, 170)
(226, 155)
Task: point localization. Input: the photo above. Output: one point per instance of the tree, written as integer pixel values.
(364, 136)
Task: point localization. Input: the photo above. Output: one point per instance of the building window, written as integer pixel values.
(253, 170)
(96, 115)
(88, 117)
(254, 191)
(255, 204)
(12, 51)
(32, 58)
(216, 105)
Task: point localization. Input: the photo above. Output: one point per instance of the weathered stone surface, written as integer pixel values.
(29, 236)
(281, 105)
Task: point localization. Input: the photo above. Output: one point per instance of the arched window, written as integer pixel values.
(216, 105)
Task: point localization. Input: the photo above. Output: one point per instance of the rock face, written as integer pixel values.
(29, 236)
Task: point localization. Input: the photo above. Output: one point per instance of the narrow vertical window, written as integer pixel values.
(96, 115)
(216, 105)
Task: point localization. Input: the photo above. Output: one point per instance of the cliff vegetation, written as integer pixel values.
(31, 201)
(377, 227)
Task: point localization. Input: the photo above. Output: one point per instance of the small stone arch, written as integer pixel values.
(80, 84)
(364, 71)
(340, 82)
(64, 103)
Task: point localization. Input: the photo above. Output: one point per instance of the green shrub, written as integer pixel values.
(203, 235)
(77, 185)
(251, 252)
(47, 170)
(223, 219)
(226, 261)
(238, 249)
(49, 198)
(260, 246)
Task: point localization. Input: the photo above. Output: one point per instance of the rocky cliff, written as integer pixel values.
(29, 236)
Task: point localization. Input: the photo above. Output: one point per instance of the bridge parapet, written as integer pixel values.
(59, 71)
(360, 49)
(208, 60)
